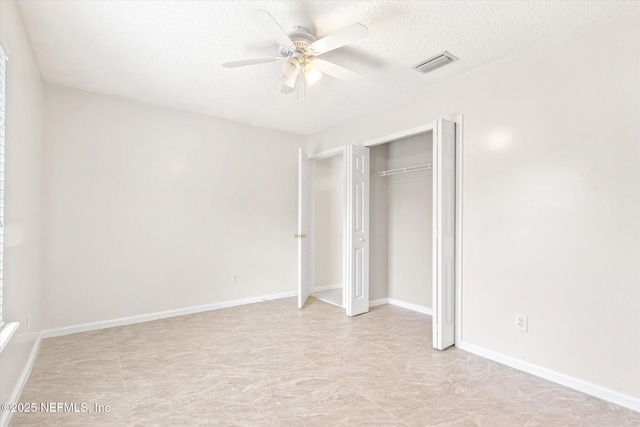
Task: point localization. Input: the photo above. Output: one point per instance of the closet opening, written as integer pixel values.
(401, 222)
(393, 235)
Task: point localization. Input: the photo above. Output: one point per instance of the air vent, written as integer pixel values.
(436, 62)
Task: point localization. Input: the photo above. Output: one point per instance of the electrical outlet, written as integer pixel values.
(522, 322)
(234, 279)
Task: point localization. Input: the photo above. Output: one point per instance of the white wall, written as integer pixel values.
(410, 225)
(152, 209)
(23, 197)
(328, 220)
(551, 199)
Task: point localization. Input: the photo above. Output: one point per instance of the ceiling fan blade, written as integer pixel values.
(273, 28)
(334, 70)
(350, 34)
(246, 62)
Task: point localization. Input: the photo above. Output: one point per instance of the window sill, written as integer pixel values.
(6, 332)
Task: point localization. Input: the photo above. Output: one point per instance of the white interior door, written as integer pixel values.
(356, 265)
(305, 215)
(444, 216)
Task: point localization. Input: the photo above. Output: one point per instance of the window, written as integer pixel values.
(6, 329)
(3, 60)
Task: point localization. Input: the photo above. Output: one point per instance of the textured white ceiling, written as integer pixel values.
(170, 52)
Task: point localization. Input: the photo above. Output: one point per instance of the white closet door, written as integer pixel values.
(357, 254)
(444, 216)
(305, 212)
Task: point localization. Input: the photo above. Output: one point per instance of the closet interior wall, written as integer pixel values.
(402, 222)
(378, 225)
(329, 205)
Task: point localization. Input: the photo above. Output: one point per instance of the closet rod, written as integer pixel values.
(400, 171)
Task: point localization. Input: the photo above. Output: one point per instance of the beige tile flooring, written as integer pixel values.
(270, 364)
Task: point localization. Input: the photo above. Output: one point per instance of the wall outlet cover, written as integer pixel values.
(522, 322)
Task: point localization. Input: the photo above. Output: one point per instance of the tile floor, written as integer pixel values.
(331, 296)
(270, 364)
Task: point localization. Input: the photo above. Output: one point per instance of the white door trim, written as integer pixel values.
(458, 263)
(398, 135)
(329, 153)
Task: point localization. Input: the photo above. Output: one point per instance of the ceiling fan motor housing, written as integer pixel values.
(301, 39)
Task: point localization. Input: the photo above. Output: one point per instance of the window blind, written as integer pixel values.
(3, 62)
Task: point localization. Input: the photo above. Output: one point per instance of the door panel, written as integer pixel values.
(304, 235)
(357, 253)
(444, 215)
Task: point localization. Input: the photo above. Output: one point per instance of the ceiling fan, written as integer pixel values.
(299, 51)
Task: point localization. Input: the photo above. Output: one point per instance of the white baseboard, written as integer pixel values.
(377, 302)
(5, 417)
(161, 315)
(398, 303)
(556, 377)
(410, 306)
(326, 288)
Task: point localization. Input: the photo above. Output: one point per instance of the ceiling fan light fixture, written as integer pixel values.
(311, 73)
(299, 50)
(288, 84)
(290, 68)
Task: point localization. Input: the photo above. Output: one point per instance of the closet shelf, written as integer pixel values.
(400, 171)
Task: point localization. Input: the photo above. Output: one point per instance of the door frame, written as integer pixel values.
(458, 120)
(342, 150)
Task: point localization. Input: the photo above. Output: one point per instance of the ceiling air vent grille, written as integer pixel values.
(436, 62)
